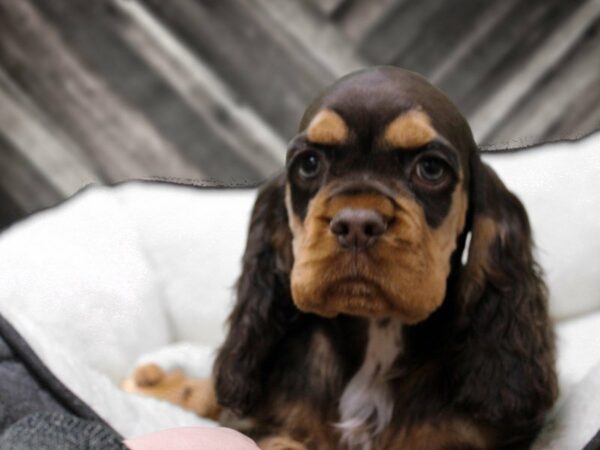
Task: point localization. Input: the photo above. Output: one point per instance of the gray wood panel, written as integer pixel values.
(118, 139)
(535, 118)
(262, 63)
(208, 92)
(24, 188)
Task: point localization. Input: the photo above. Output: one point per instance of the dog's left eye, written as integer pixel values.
(431, 170)
(309, 166)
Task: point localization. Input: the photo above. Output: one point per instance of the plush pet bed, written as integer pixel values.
(143, 272)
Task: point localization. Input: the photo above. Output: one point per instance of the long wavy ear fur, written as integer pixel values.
(263, 307)
(505, 366)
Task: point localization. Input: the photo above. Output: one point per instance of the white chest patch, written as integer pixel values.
(366, 405)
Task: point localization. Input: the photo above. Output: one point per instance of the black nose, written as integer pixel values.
(357, 228)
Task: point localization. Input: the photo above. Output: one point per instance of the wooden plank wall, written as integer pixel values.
(208, 91)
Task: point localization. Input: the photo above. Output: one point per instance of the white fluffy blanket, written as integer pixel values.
(144, 272)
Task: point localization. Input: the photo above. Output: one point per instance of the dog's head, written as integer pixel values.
(377, 196)
(383, 186)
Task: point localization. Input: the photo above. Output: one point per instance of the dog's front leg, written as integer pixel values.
(180, 374)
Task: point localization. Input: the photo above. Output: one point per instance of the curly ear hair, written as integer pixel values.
(263, 308)
(505, 356)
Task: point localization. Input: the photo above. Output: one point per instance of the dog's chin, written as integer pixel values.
(381, 282)
(358, 296)
(352, 295)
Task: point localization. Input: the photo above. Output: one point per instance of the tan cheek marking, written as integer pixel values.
(445, 236)
(296, 226)
(484, 232)
(427, 253)
(411, 129)
(327, 128)
(454, 433)
(311, 244)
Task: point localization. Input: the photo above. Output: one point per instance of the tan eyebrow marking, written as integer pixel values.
(411, 129)
(328, 128)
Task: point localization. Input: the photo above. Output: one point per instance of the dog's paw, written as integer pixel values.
(148, 375)
(193, 394)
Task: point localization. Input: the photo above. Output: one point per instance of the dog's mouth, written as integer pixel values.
(355, 295)
(366, 284)
(354, 286)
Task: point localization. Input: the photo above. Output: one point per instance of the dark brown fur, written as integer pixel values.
(478, 372)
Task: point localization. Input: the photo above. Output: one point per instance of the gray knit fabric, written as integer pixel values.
(35, 415)
(20, 393)
(58, 431)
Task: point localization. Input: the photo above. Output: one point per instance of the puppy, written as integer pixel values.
(389, 297)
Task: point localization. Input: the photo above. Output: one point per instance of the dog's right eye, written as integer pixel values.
(309, 166)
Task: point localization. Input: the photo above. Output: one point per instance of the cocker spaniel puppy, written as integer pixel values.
(389, 298)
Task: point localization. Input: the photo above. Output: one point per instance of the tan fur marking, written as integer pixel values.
(446, 233)
(411, 129)
(194, 394)
(296, 225)
(280, 443)
(483, 234)
(453, 433)
(327, 128)
(300, 426)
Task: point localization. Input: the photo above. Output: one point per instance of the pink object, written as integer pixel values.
(192, 438)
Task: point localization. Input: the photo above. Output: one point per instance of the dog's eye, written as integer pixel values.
(309, 166)
(431, 170)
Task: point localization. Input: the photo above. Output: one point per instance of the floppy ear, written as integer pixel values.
(505, 354)
(263, 307)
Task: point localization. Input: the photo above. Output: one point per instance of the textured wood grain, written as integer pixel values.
(398, 29)
(269, 71)
(543, 60)
(175, 137)
(41, 63)
(318, 35)
(40, 143)
(551, 112)
(208, 92)
(447, 28)
(246, 134)
(25, 188)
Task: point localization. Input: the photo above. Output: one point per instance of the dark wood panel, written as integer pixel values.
(41, 142)
(25, 189)
(584, 114)
(508, 46)
(447, 29)
(95, 34)
(10, 210)
(209, 91)
(42, 65)
(357, 18)
(330, 7)
(515, 87)
(583, 120)
(551, 111)
(275, 76)
(396, 30)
